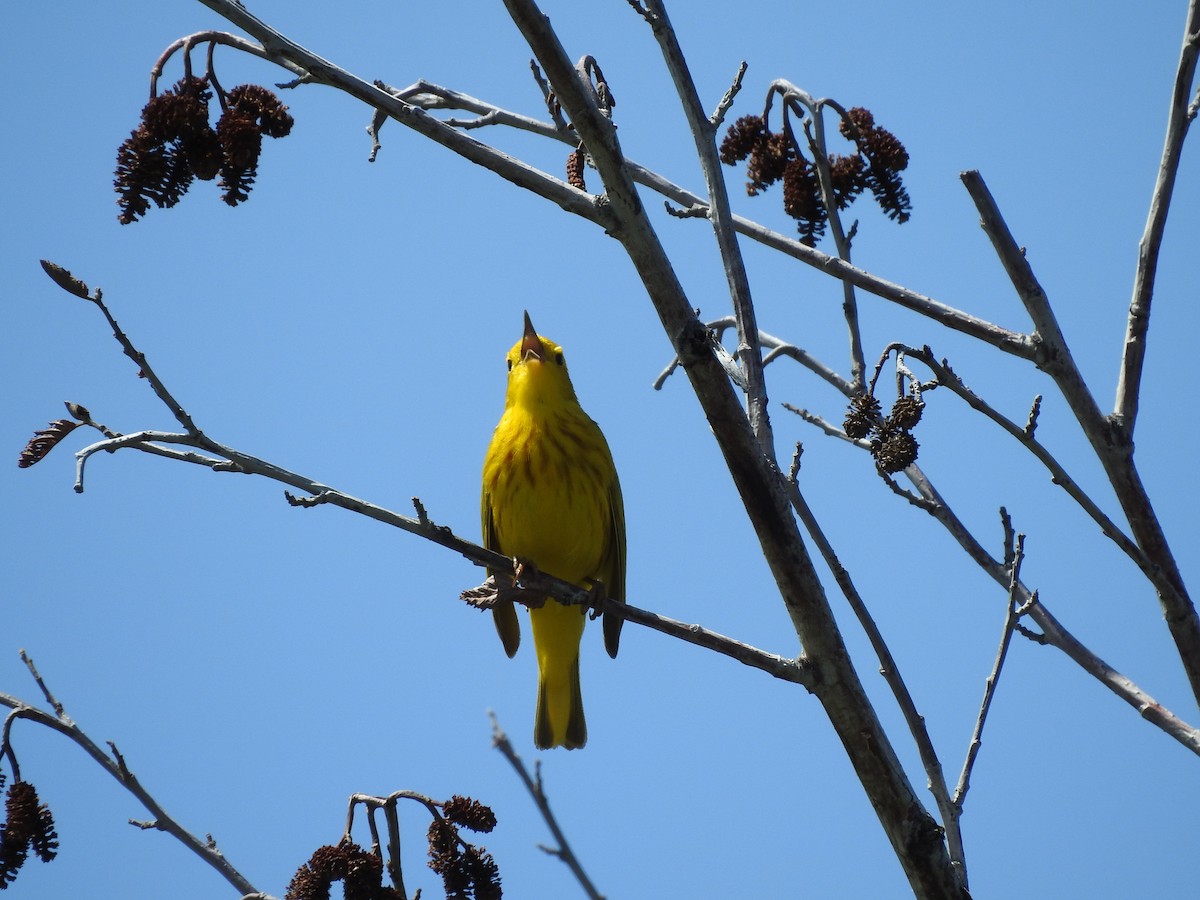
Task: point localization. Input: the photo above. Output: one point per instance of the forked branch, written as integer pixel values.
(114, 764)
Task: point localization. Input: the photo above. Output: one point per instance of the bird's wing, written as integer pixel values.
(612, 567)
(504, 613)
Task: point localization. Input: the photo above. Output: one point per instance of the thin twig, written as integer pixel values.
(776, 348)
(793, 95)
(427, 95)
(537, 792)
(950, 379)
(1054, 633)
(114, 765)
(144, 369)
(1011, 616)
(727, 99)
(890, 671)
(781, 667)
(703, 130)
(395, 869)
(1110, 442)
(548, 97)
(213, 38)
(1053, 356)
(1179, 118)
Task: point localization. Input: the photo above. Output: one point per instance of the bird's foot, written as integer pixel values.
(597, 595)
(529, 586)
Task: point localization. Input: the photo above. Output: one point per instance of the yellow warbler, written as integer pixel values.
(551, 498)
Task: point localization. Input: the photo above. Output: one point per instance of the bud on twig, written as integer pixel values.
(66, 280)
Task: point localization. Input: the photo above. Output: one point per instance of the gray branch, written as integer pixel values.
(704, 132)
(1179, 118)
(537, 792)
(1110, 441)
(114, 764)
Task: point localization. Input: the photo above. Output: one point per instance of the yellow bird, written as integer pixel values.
(551, 498)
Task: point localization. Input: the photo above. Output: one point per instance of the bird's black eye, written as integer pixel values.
(509, 361)
(558, 358)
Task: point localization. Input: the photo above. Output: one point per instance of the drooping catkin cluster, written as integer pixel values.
(359, 870)
(575, 170)
(468, 871)
(28, 826)
(469, 813)
(175, 143)
(44, 441)
(777, 156)
(892, 445)
(885, 159)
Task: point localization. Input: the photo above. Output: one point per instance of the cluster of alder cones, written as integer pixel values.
(467, 870)
(779, 156)
(28, 826)
(892, 444)
(175, 143)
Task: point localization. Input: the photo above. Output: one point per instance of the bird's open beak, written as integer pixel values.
(531, 345)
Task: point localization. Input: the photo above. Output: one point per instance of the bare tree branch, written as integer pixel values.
(1112, 445)
(1179, 117)
(890, 671)
(795, 96)
(776, 348)
(429, 96)
(704, 136)
(947, 377)
(1012, 615)
(1053, 632)
(533, 784)
(287, 53)
(114, 764)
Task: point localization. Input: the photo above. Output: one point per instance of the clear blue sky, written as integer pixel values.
(256, 663)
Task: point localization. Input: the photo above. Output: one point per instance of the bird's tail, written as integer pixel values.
(556, 632)
(552, 712)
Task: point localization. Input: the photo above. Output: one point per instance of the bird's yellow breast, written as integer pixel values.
(548, 478)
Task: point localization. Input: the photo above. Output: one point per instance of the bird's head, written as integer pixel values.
(537, 372)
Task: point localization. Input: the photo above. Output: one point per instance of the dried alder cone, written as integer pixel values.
(469, 813)
(28, 826)
(863, 416)
(778, 156)
(892, 444)
(175, 144)
(359, 870)
(575, 170)
(466, 870)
